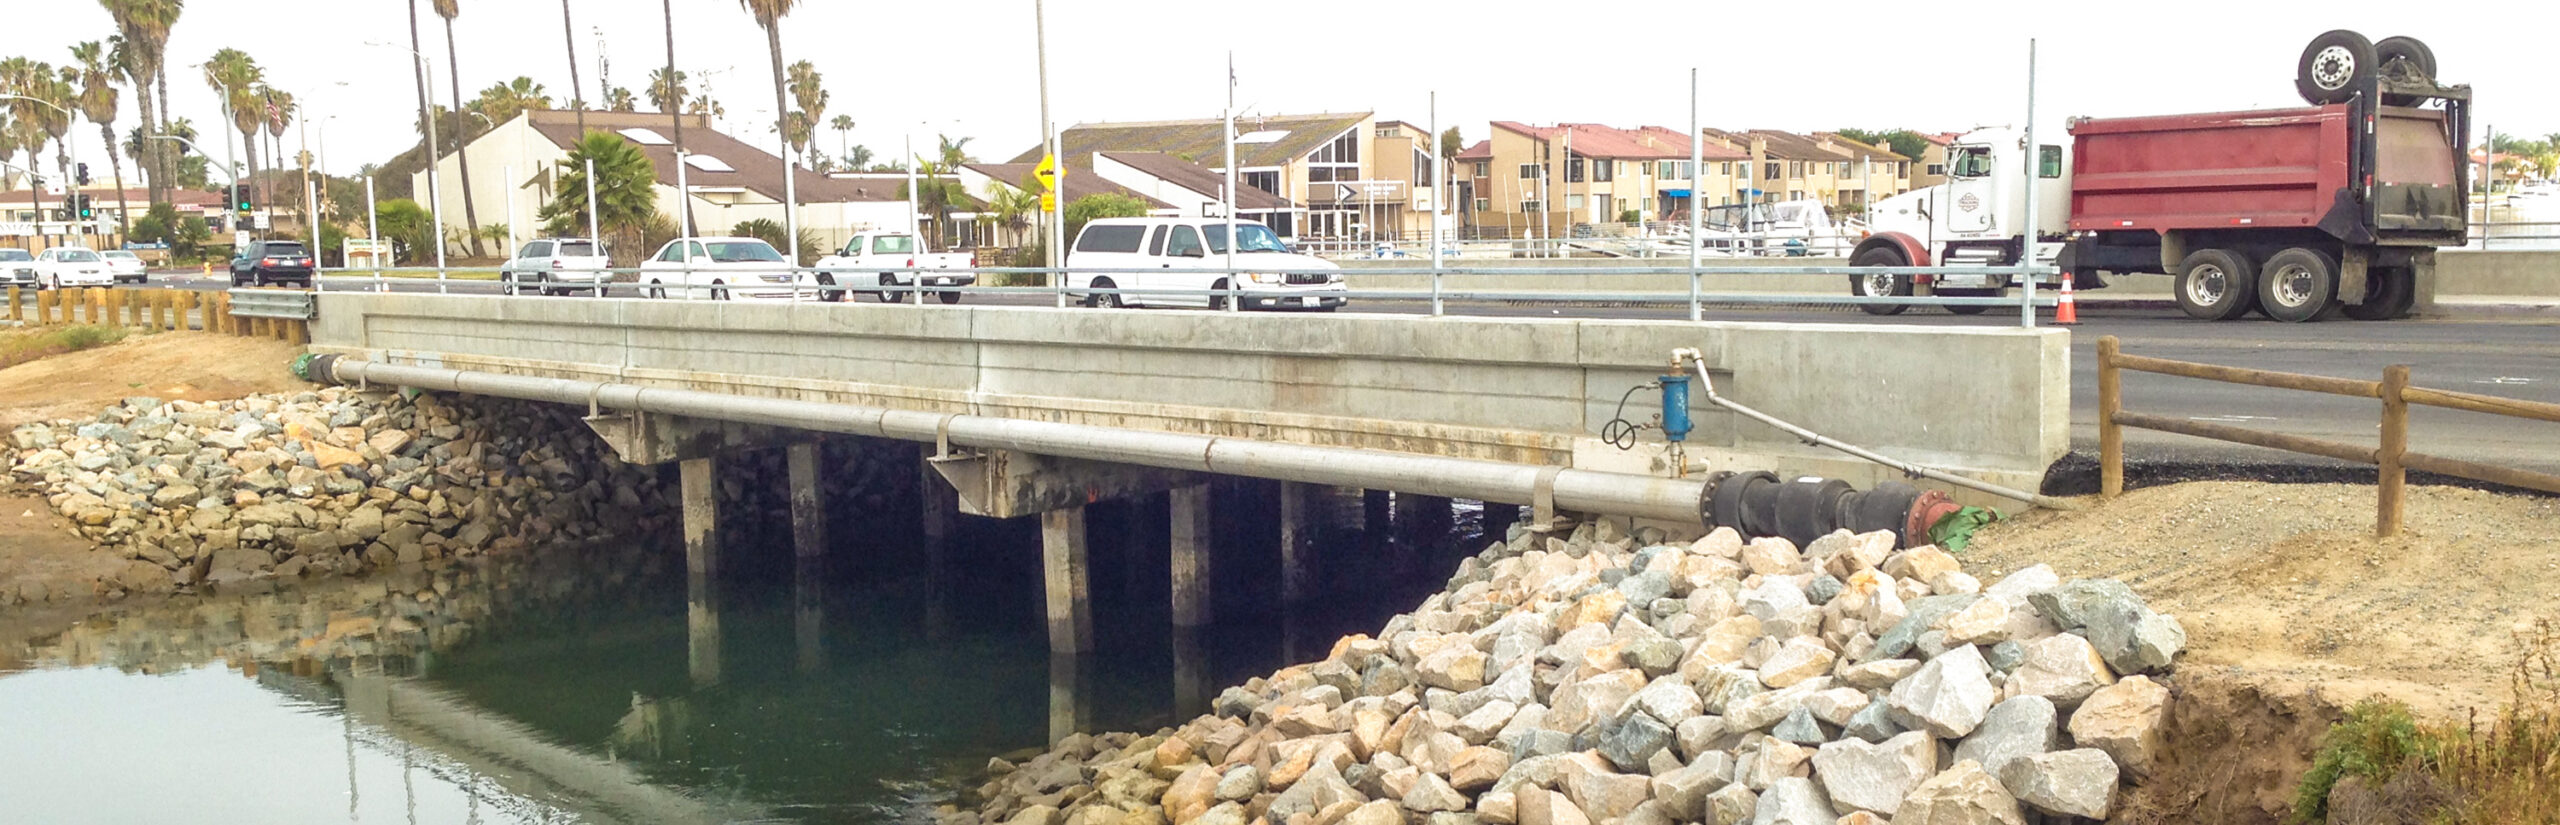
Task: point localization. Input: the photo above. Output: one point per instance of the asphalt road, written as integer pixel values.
(2509, 357)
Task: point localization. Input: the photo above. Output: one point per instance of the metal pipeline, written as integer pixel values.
(1707, 385)
(1681, 500)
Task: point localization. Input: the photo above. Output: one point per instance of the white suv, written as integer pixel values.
(556, 266)
(1183, 262)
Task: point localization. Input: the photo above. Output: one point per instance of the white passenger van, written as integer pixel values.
(1186, 258)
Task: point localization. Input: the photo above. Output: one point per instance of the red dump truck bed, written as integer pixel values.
(2296, 168)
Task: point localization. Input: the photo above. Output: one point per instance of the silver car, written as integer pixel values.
(17, 268)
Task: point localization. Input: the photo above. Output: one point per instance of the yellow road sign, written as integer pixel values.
(1047, 172)
(1048, 201)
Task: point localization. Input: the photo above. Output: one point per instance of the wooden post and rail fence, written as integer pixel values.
(152, 309)
(2392, 455)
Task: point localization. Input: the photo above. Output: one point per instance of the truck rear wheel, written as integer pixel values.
(2216, 284)
(2334, 66)
(2298, 285)
(2392, 293)
(1880, 285)
(2404, 58)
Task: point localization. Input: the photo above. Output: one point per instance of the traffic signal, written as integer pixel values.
(82, 174)
(248, 198)
(88, 211)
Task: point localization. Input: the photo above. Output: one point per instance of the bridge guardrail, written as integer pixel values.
(282, 304)
(2392, 455)
(1250, 287)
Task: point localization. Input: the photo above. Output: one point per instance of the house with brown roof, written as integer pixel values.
(514, 170)
(1539, 181)
(1330, 167)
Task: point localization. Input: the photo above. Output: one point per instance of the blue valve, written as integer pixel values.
(1675, 408)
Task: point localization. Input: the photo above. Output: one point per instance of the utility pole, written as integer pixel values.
(1227, 135)
(1049, 130)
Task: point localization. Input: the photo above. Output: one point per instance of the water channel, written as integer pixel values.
(556, 687)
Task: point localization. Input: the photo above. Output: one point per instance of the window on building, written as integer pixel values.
(1937, 169)
(1573, 170)
(1604, 171)
(1484, 204)
(1795, 169)
(1529, 171)
(1774, 169)
(1266, 181)
(1484, 169)
(1573, 202)
(1421, 167)
(1531, 206)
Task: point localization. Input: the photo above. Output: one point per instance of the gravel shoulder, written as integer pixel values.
(2289, 581)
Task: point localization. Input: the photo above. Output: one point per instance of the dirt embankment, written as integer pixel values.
(2294, 611)
(173, 366)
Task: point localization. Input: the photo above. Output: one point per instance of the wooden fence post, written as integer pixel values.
(114, 300)
(2110, 435)
(16, 310)
(2395, 443)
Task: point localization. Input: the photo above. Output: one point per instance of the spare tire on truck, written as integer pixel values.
(2334, 66)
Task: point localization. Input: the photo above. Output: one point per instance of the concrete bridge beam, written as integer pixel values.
(1194, 582)
(1063, 568)
(808, 507)
(1297, 542)
(700, 483)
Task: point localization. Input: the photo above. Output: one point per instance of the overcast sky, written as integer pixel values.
(967, 67)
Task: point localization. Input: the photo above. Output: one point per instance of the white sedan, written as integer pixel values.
(64, 266)
(720, 269)
(126, 266)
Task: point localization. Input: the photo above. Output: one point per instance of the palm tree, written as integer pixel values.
(503, 101)
(663, 96)
(769, 14)
(30, 125)
(626, 192)
(952, 153)
(809, 91)
(427, 116)
(857, 158)
(1013, 207)
(618, 99)
(843, 124)
(449, 9)
(233, 74)
(704, 105)
(577, 93)
(98, 104)
(277, 109)
(145, 25)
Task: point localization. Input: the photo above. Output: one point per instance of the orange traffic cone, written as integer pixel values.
(2065, 312)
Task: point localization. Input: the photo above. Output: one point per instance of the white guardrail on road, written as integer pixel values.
(1825, 285)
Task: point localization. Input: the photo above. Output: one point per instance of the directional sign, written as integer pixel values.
(1047, 172)
(1344, 192)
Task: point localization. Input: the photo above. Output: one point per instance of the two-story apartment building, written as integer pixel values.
(1542, 180)
(1873, 172)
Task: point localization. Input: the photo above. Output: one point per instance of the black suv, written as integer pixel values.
(272, 262)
